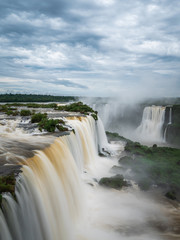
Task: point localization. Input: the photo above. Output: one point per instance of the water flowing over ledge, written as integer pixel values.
(54, 201)
(151, 127)
(49, 190)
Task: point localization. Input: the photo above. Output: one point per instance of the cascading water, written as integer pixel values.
(169, 123)
(47, 194)
(53, 203)
(49, 190)
(102, 139)
(109, 112)
(151, 127)
(86, 139)
(105, 112)
(170, 115)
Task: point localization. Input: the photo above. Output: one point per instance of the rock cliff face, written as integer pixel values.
(172, 125)
(173, 135)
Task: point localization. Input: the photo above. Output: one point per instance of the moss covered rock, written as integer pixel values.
(36, 118)
(171, 195)
(116, 182)
(7, 184)
(25, 112)
(125, 160)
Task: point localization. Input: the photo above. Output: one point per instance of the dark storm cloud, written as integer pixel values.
(109, 44)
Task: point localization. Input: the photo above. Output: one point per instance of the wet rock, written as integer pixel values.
(116, 169)
(171, 195)
(116, 182)
(125, 160)
(92, 185)
(8, 170)
(178, 163)
(7, 184)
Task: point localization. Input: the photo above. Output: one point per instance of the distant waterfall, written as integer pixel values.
(151, 127)
(169, 123)
(170, 115)
(102, 139)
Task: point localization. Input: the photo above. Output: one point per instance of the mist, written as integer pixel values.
(139, 119)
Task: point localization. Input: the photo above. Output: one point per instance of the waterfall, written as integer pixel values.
(102, 138)
(151, 127)
(105, 112)
(169, 123)
(49, 190)
(85, 145)
(58, 196)
(109, 112)
(170, 115)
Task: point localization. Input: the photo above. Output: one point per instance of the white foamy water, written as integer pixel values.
(56, 199)
(151, 127)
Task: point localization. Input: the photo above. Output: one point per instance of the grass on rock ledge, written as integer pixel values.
(49, 125)
(7, 184)
(11, 109)
(79, 107)
(152, 166)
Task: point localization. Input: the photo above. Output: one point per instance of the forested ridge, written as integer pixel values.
(35, 98)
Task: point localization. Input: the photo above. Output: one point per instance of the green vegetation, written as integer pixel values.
(159, 163)
(76, 107)
(35, 98)
(61, 128)
(79, 107)
(94, 116)
(125, 160)
(25, 112)
(116, 137)
(36, 105)
(7, 184)
(36, 118)
(48, 124)
(116, 182)
(171, 195)
(154, 165)
(61, 121)
(32, 105)
(13, 111)
(9, 110)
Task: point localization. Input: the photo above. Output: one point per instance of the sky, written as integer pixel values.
(90, 47)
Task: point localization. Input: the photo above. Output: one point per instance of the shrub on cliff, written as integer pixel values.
(61, 128)
(78, 107)
(9, 110)
(152, 166)
(25, 112)
(48, 124)
(116, 182)
(38, 117)
(7, 184)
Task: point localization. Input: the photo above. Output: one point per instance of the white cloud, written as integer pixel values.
(112, 46)
(105, 2)
(40, 21)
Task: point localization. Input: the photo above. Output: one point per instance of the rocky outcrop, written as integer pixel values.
(172, 128)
